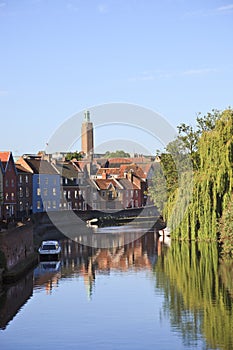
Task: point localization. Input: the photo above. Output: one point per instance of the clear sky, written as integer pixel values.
(59, 57)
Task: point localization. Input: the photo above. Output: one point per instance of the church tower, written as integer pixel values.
(87, 136)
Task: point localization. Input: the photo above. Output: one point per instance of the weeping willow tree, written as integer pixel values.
(196, 216)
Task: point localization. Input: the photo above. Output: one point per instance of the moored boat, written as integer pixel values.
(49, 250)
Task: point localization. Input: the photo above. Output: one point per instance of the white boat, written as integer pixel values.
(49, 250)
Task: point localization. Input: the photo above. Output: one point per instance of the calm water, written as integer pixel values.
(143, 295)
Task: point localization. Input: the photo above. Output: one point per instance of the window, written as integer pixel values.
(54, 205)
(7, 183)
(26, 179)
(45, 192)
(94, 196)
(38, 180)
(54, 191)
(38, 205)
(68, 195)
(38, 191)
(76, 194)
(20, 206)
(12, 182)
(64, 194)
(66, 181)
(27, 192)
(136, 193)
(12, 196)
(49, 204)
(103, 193)
(61, 181)
(6, 196)
(20, 179)
(21, 192)
(131, 193)
(46, 181)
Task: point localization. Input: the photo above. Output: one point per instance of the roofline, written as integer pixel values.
(95, 184)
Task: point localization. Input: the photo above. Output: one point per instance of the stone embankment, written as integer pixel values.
(17, 253)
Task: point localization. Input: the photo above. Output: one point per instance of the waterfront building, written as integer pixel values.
(24, 191)
(45, 183)
(71, 197)
(9, 185)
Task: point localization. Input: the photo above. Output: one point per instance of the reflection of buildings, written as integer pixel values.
(47, 274)
(88, 262)
(13, 297)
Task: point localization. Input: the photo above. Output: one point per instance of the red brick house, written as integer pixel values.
(24, 191)
(9, 185)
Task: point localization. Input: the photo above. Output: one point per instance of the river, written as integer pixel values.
(146, 294)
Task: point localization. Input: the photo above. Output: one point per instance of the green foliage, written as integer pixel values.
(74, 155)
(226, 230)
(197, 292)
(117, 154)
(211, 183)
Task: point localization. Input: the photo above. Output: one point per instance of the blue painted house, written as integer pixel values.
(45, 184)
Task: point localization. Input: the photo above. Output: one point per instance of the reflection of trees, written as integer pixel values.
(195, 297)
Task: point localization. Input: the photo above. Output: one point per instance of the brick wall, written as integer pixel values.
(16, 244)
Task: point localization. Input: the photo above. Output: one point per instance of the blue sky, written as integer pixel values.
(60, 57)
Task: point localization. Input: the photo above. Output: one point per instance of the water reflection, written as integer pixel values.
(194, 289)
(84, 261)
(196, 298)
(47, 275)
(13, 297)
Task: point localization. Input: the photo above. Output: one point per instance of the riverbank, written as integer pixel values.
(17, 253)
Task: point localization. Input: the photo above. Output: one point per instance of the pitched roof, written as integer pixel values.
(67, 170)
(137, 170)
(108, 171)
(21, 169)
(127, 185)
(104, 184)
(4, 156)
(41, 166)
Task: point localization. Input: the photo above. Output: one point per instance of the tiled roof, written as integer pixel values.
(137, 170)
(127, 185)
(20, 168)
(41, 167)
(109, 171)
(104, 184)
(120, 160)
(67, 170)
(4, 156)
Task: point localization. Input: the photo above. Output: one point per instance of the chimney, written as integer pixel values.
(104, 175)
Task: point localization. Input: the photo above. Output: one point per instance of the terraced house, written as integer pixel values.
(24, 191)
(9, 188)
(45, 183)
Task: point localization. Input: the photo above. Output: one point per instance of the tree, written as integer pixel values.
(74, 155)
(117, 154)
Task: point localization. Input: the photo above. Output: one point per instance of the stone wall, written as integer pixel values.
(16, 245)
